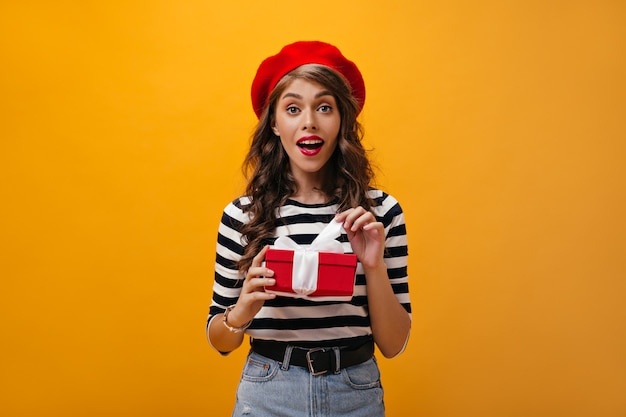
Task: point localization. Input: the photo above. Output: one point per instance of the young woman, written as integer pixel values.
(306, 167)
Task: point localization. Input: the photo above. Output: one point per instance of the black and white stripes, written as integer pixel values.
(301, 321)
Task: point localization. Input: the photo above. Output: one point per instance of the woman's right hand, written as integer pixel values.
(253, 295)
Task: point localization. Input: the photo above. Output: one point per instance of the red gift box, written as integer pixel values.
(335, 274)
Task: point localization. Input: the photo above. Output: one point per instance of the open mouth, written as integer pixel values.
(310, 144)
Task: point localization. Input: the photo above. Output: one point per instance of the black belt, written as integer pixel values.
(319, 360)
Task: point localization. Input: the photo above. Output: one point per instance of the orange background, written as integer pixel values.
(499, 125)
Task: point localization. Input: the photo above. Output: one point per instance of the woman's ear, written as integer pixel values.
(275, 130)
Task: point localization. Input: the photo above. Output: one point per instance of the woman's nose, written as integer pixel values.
(309, 121)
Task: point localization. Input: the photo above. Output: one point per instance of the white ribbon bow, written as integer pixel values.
(306, 261)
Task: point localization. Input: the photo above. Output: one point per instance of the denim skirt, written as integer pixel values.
(269, 388)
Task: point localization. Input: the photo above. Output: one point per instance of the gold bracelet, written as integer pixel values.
(231, 328)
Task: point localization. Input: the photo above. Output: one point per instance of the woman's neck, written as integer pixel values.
(310, 196)
(310, 190)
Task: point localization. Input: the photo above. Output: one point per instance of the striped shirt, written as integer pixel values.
(305, 322)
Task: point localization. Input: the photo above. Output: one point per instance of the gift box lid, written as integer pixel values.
(339, 259)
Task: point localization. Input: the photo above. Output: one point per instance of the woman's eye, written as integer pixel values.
(292, 109)
(325, 108)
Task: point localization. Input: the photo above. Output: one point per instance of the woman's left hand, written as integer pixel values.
(366, 235)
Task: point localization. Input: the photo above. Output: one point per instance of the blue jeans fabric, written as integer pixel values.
(269, 388)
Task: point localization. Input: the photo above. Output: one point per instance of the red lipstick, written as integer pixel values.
(310, 145)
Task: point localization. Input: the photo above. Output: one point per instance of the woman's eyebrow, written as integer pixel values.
(294, 95)
(298, 96)
(323, 93)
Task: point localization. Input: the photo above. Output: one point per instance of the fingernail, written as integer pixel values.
(271, 281)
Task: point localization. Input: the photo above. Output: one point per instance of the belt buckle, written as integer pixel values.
(310, 361)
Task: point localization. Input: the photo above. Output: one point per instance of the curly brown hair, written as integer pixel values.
(270, 182)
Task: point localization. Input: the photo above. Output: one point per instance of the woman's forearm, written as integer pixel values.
(221, 338)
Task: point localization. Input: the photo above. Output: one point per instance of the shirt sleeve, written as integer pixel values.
(396, 254)
(390, 213)
(227, 281)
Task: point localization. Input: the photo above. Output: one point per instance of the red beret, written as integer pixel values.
(296, 54)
